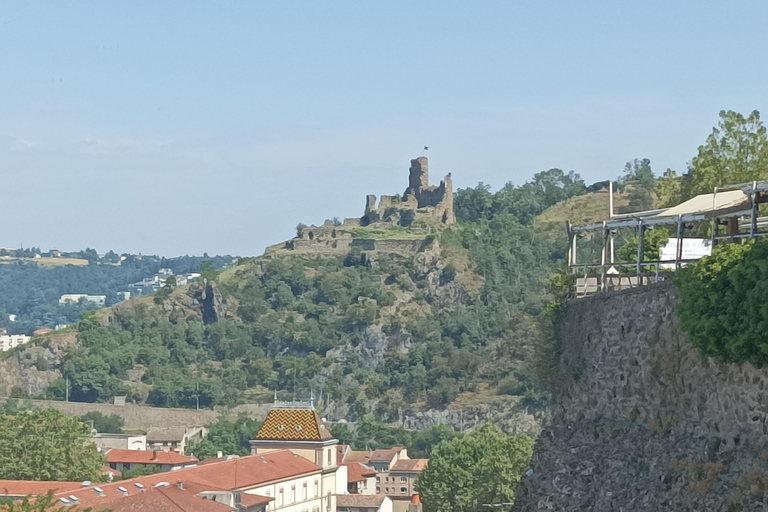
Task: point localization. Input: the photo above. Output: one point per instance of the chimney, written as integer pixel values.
(180, 485)
(415, 505)
(238, 503)
(154, 454)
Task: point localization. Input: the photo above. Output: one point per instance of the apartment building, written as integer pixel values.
(9, 341)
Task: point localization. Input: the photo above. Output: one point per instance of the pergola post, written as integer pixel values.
(679, 252)
(603, 256)
(640, 247)
(754, 210)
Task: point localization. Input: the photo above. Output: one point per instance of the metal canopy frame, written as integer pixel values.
(754, 194)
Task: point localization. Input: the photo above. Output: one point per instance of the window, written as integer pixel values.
(386, 479)
(378, 489)
(280, 497)
(386, 489)
(378, 479)
(328, 506)
(403, 479)
(317, 490)
(304, 491)
(329, 457)
(293, 494)
(403, 490)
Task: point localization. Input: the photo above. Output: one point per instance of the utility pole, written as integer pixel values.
(197, 396)
(66, 387)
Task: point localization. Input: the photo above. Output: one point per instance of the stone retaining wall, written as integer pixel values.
(143, 417)
(635, 400)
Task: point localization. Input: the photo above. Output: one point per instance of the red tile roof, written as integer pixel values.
(386, 455)
(411, 465)
(30, 488)
(293, 425)
(167, 499)
(115, 456)
(357, 472)
(241, 473)
(357, 456)
(250, 500)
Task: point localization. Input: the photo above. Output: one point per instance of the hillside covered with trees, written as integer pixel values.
(460, 323)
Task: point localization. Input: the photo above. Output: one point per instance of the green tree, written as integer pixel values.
(47, 445)
(653, 241)
(112, 424)
(208, 270)
(668, 189)
(641, 183)
(723, 303)
(141, 470)
(475, 472)
(228, 437)
(735, 152)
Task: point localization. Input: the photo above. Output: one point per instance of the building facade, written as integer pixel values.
(297, 427)
(9, 341)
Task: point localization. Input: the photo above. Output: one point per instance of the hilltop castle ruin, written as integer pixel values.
(421, 205)
(420, 200)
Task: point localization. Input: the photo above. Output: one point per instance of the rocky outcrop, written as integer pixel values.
(642, 421)
(31, 368)
(508, 415)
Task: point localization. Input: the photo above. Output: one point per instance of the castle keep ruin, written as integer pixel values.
(419, 201)
(420, 206)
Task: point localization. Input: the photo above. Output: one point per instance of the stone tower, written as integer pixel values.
(419, 175)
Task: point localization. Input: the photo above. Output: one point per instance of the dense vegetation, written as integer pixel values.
(47, 445)
(296, 324)
(475, 472)
(301, 323)
(228, 437)
(724, 300)
(31, 291)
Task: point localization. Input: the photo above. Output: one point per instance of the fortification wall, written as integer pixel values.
(143, 417)
(642, 421)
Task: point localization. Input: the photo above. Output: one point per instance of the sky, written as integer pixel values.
(183, 127)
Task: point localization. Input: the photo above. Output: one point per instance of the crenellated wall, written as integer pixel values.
(642, 421)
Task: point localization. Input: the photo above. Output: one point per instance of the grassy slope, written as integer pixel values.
(580, 210)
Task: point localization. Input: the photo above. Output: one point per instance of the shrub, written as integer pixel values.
(449, 272)
(511, 385)
(723, 303)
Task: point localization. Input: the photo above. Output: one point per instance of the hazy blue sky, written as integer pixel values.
(183, 127)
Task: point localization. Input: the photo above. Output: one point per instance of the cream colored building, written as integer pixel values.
(9, 341)
(298, 428)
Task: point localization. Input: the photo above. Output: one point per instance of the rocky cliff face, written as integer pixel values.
(32, 368)
(507, 414)
(200, 302)
(643, 421)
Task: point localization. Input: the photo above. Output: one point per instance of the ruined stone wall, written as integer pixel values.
(642, 421)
